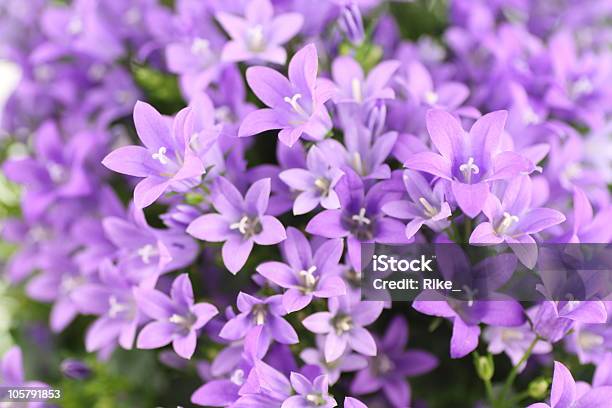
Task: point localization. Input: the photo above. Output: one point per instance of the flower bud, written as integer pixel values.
(75, 369)
(485, 368)
(538, 388)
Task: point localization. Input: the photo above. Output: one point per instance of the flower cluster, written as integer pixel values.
(271, 139)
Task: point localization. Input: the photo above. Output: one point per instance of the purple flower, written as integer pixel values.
(241, 222)
(426, 206)
(343, 326)
(353, 87)
(306, 275)
(555, 319)
(391, 365)
(591, 342)
(259, 35)
(351, 22)
(469, 161)
(360, 219)
(512, 220)
(566, 393)
(260, 312)
(314, 184)
(350, 402)
(296, 106)
(347, 362)
(167, 162)
(177, 318)
(309, 394)
(75, 369)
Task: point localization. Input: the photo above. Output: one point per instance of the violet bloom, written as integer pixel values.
(391, 365)
(260, 312)
(469, 161)
(259, 35)
(167, 162)
(555, 319)
(241, 222)
(296, 106)
(353, 87)
(566, 393)
(112, 299)
(360, 219)
(58, 170)
(347, 362)
(344, 324)
(309, 394)
(514, 341)
(512, 220)
(590, 342)
(306, 275)
(426, 206)
(315, 184)
(177, 318)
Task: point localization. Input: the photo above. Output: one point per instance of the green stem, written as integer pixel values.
(514, 371)
(468, 229)
(489, 390)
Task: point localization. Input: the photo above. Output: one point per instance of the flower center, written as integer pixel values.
(237, 377)
(430, 211)
(342, 323)
(308, 279)
(431, 97)
(116, 307)
(293, 102)
(56, 172)
(161, 155)
(357, 90)
(382, 364)
(508, 221)
(315, 399)
(75, 26)
(590, 340)
(184, 321)
(259, 313)
(510, 335)
(469, 168)
(582, 86)
(360, 218)
(146, 252)
(200, 47)
(323, 185)
(256, 38)
(247, 226)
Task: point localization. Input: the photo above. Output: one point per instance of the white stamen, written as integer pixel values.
(470, 293)
(511, 335)
(161, 155)
(179, 320)
(56, 172)
(308, 277)
(293, 101)
(75, 25)
(237, 377)
(590, 340)
(468, 169)
(241, 225)
(431, 97)
(132, 16)
(361, 218)
(146, 252)
(582, 86)
(506, 223)
(357, 163)
(115, 307)
(356, 90)
(342, 324)
(530, 117)
(316, 399)
(256, 39)
(430, 211)
(322, 184)
(200, 46)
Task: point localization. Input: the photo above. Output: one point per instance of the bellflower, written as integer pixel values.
(167, 160)
(469, 161)
(590, 342)
(315, 184)
(344, 324)
(347, 362)
(260, 312)
(555, 319)
(177, 318)
(306, 274)
(360, 219)
(565, 392)
(353, 87)
(512, 220)
(391, 365)
(241, 222)
(295, 105)
(309, 393)
(259, 35)
(426, 206)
